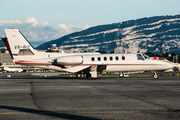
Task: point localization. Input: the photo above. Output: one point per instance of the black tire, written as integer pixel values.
(156, 76)
(121, 75)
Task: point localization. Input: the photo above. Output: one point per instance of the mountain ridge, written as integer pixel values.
(139, 35)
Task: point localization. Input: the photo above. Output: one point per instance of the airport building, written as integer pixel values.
(5, 58)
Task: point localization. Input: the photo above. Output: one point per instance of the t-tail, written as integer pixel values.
(5, 66)
(17, 44)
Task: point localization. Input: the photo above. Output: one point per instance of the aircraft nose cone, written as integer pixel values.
(175, 66)
(166, 65)
(171, 65)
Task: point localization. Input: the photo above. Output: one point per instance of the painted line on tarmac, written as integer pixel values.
(13, 90)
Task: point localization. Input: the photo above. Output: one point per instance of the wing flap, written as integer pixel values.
(76, 68)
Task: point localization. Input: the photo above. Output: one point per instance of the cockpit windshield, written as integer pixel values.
(146, 56)
(142, 57)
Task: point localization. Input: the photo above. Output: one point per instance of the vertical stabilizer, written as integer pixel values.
(5, 66)
(17, 41)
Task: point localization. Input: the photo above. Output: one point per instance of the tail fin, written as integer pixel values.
(5, 66)
(17, 44)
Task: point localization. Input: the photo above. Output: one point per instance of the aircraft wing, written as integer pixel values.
(76, 68)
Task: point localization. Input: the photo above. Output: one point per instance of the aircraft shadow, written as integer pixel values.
(48, 113)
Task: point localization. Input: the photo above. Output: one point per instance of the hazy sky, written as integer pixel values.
(75, 15)
(86, 12)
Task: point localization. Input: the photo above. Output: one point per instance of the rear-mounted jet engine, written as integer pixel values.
(69, 60)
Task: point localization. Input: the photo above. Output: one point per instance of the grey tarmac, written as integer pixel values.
(109, 98)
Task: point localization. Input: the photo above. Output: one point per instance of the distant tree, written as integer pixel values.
(172, 55)
(102, 52)
(111, 51)
(149, 54)
(166, 55)
(157, 55)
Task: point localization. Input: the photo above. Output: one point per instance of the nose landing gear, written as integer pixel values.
(155, 76)
(121, 75)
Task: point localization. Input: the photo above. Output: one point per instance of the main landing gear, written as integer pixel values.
(87, 75)
(79, 75)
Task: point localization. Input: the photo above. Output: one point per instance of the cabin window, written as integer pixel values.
(111, 58)
(123, 57)
(105, 58)
(117, 58)
(140, 57)
(99, 59)
(92, 59)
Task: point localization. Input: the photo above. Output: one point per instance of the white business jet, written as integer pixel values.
(6, 68)
(90, 64)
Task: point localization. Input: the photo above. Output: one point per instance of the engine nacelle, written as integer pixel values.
(69, 60)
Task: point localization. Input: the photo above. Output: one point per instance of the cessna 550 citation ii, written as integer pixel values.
(90, 64)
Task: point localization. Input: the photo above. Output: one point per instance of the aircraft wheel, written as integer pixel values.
(156, 76)
(121, 75)
(78, 75)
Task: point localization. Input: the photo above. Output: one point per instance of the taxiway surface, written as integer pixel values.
(83, 99)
